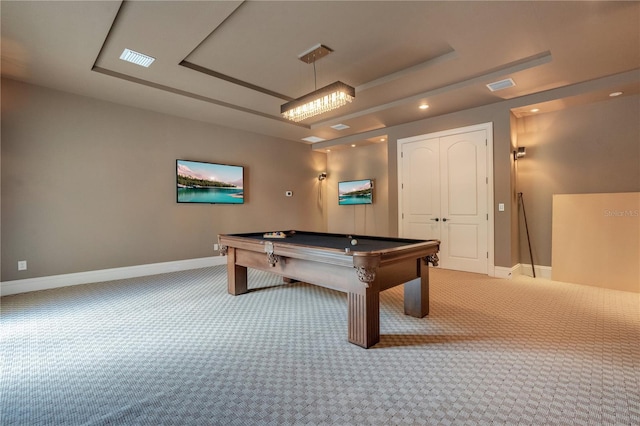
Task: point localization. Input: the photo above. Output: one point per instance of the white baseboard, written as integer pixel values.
(55, 281)
(525, 269)
(504, 272)
(522, 269)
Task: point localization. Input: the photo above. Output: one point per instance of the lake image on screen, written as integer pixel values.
(355, 192)
(209, 183)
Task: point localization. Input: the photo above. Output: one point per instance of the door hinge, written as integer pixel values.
(401, 154)
(403, 215)
(487, 255)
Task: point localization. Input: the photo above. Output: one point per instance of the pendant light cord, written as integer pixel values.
(315, 79)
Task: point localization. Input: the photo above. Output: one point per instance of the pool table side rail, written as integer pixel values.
(398, 254)
(335, 256)
(260, 236)
(332, 256)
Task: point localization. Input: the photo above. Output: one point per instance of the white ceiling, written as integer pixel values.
(234, 63)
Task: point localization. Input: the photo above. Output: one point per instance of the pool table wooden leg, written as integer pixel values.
(416, 293)
(364, 317)
(236, 274)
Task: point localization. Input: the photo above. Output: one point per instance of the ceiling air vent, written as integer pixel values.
(340, 126)
(136, 58)
(502, 84)
(313, 139)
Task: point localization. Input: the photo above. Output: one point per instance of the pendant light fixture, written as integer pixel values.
(321, 100)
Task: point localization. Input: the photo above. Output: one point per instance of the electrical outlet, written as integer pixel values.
(216, 247)
(500, 207)
(22, 265)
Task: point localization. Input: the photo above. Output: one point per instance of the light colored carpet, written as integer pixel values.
(177, 349)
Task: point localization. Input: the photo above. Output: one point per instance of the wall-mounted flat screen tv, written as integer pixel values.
(209, 183)
(355, 192)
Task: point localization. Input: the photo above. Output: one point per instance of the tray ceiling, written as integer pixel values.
(234, 63)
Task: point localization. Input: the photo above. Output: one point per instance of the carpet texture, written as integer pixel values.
(176, 349)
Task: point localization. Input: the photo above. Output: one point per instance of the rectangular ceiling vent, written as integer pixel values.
(136, 58)
(313, 139)
(502, 84)
(340, 126)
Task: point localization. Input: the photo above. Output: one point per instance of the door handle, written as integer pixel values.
(444, 219)
(437, 219)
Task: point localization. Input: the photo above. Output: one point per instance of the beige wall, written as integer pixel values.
(90, 185)
(98, 191)
(593, 148)
(366, 162)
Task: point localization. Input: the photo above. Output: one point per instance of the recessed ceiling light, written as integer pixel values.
(353, 145)
(382, 139)
(423, 106)
(535, 110)
(340, 126)
(313, 139)
(136, 58)
(614, 94)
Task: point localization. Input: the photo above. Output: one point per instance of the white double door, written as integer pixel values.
(443, 195)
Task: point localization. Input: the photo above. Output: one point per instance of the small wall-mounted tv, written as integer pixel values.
(355, 192)
(209, 183)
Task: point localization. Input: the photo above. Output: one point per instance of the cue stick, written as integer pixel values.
(524, 213)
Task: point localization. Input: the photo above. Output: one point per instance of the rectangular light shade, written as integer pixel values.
(136, 58)
(322, 100)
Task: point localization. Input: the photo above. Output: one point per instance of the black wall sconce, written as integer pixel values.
(519, 153)
(322, 176)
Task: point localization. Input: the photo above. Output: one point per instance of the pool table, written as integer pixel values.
(362, 268)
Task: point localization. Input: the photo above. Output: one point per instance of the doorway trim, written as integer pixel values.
(488, 127)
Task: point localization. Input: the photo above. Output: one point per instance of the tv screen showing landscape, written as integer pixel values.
(209, 183)
(355, 192)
